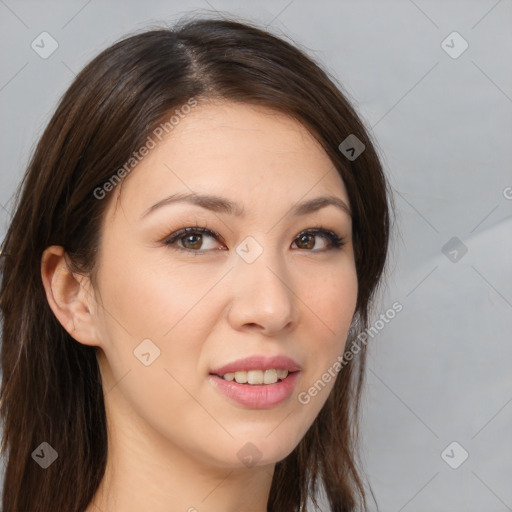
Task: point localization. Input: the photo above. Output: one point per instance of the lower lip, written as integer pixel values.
(255, 396)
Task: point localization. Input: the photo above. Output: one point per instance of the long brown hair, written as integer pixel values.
(51, 388)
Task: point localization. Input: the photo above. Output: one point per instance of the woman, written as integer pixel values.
(195, 249)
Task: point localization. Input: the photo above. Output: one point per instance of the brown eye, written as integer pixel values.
(195, 241)
(307, 240)
(192, 239)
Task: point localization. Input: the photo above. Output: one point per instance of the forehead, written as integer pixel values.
(252, 154)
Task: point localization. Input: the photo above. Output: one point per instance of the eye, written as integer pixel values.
(191, 239)
(307, 239)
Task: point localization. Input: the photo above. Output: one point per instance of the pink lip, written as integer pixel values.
(253, 396)
(258, 363)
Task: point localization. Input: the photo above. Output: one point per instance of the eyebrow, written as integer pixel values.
(223, 205)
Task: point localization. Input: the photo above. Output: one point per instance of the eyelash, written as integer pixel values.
(336, 242)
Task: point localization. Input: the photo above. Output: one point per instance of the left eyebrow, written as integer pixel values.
(320, 202)
(223, 205)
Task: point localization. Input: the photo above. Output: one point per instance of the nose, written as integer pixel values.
(263, 299)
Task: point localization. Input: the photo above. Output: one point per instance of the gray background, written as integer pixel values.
(440, 370)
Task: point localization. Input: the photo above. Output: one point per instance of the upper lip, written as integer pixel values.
(259, 363)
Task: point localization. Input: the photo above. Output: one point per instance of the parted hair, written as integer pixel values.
(51, 388)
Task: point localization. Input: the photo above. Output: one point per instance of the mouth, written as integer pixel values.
(257, 382)
(254, 366)
(256, 377)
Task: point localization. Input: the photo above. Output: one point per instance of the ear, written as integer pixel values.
(70, 296)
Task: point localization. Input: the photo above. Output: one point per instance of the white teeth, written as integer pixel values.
(241, 377)
(270, 377)
(282, 374)
(257, 376)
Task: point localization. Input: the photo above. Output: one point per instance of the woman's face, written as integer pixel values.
(178, 307)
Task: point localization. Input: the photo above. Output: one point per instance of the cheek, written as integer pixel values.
(150, 298)
(332, 306)
(163, 302)
(332, 297)
(159, 302)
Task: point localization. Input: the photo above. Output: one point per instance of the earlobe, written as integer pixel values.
(69, 295)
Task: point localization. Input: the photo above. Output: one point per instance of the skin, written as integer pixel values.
(173, 437)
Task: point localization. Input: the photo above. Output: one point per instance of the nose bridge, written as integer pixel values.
(263, 293)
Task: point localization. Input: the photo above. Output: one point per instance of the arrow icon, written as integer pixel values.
(454, 45)
(44, 455)
(44, 45)
(351, 147)
(146, 352)
(454, 249)
(249, 250)
(454, 455)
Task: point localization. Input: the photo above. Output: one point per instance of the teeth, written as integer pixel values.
(257, 376)
(282, 374)
(270, 376)
(241, 377)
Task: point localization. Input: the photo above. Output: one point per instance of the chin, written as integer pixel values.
(262, 451)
